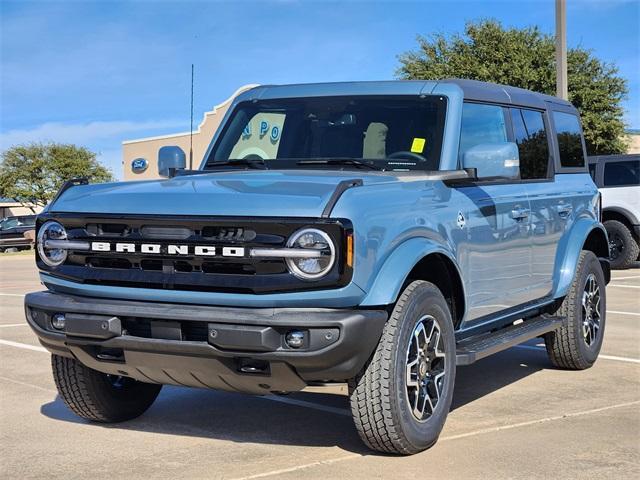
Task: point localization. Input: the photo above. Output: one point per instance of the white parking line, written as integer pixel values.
(605, 357)
(446, 439)
(540, 420)
(12, 294)
(13, 325)
(620, 312)
(617, 285)
(626, 278)
(25, 346)
(24, 384)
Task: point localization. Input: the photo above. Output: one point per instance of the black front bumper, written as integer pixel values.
(238, 349)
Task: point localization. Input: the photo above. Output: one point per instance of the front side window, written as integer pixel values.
(481, 124)
(622, 174)
(9, 223)
(569, 139)
(533, 146)
(388, 133)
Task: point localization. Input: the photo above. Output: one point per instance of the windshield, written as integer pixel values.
(387, 133)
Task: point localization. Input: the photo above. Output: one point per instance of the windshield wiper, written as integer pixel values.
(256, 163)
(340, 161)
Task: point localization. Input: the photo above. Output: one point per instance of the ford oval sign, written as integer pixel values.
(139, 165)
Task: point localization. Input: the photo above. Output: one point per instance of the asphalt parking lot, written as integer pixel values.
(514, 416)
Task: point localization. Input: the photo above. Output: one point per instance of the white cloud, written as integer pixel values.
(86, 134)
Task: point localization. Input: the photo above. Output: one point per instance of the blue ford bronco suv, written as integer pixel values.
(374, 233)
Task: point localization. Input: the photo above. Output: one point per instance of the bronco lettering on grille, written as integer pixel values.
(154, 248)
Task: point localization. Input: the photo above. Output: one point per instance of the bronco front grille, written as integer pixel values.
(241, 274)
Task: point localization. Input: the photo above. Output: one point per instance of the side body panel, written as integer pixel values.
(555, 207)
(496, 253)
(623, 200)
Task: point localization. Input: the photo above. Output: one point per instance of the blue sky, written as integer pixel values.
(97, 72)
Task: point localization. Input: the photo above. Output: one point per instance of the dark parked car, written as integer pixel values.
(13, 230)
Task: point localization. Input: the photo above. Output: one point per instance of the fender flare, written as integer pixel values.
(633, 220)
(385, 289)
(569, 252)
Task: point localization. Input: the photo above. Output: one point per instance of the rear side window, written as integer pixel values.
(481, 124)
(533, 145)
(620, 174)
(569, 139)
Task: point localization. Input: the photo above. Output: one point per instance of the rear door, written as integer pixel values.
(550, 208)
(559, 201)
(497, 253)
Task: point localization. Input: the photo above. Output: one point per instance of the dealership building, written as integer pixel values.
(140, 156)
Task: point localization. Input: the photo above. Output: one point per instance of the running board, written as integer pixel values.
(474, 348)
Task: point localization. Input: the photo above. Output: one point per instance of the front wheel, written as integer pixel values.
(100, 397)
(401, 399)
(576, 345)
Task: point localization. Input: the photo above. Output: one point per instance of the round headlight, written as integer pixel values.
(312, 267)
(51, 231)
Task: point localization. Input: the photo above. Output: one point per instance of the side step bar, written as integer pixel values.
(474, 348)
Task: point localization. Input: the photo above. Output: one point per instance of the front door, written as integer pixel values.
(496, 256)
(497, 259)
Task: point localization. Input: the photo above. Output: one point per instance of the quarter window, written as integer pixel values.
(481, 124)
(533, 145)
(619, 174)
(569, 139)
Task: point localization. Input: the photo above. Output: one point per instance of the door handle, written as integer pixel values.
(564, 210)
(519, 213)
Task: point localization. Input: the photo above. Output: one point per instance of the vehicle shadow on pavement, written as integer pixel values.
(248, 419)
(237, 418)
(496, 372)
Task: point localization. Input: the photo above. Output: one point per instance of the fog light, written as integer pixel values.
(295, 339)
(58, 321)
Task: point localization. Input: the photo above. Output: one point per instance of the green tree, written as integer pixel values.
(32, 174)
(525, 57)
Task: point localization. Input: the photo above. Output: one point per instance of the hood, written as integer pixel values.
(233, 193)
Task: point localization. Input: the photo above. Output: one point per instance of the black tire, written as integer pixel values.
(623, 247)
(100, 397)
(379, 395)
(575, 346)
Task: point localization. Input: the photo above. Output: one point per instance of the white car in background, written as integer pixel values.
(618, 178)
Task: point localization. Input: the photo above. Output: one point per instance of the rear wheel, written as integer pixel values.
(100, 397)
(623, 248)
(401, 399)
(576, 345)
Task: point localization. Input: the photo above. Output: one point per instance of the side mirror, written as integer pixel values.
(493, 159)
(171, 159)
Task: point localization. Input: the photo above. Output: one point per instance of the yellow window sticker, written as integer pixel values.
(418, 145)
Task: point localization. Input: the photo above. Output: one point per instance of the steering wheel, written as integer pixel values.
(407, 156)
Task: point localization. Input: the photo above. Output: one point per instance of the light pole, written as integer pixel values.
(561, 50)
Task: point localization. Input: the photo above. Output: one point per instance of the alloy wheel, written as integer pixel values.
(591, 314)
(425, 368)
(616, 246)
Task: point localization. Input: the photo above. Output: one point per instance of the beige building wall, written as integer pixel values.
(14, 209)
(633, 141)
(147, 148)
